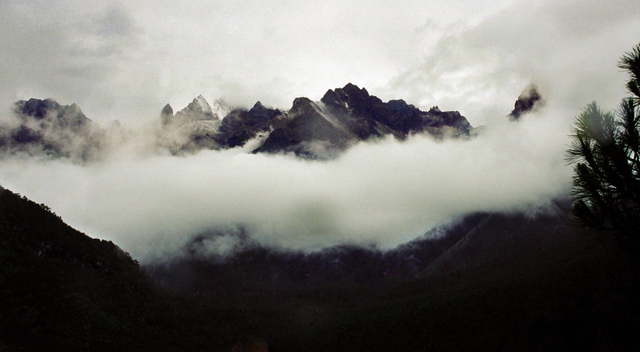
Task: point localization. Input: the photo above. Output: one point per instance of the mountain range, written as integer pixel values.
(309, 129)
(487, 281)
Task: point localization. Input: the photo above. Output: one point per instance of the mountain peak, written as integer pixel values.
(63, 115)
(200, 104)
(299, 103)
(167, 110)
(46, 126)
(348, 95)
(198, 109)
(167, 114)
(38, 108)
(529, 100)
(352, 89)
(257, 106)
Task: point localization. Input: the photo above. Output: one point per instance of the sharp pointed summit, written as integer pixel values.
(198, 109)
(528, 101)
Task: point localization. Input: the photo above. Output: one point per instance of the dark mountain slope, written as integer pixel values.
(63, 291)
(490, 282)
(534, 287)
(256, 272)
(59, 285)
(481, 241)
(239, 126)
(501, 239)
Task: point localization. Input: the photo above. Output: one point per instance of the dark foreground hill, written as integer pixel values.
(61, 290)
(492, 282)
(511, 283)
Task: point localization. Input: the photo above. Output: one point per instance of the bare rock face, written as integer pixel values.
(350, 114)
(310, 132)
(190, 129)
(239, 126)
(166, 115)
(529, 100)
(198, 109)
(46, 127)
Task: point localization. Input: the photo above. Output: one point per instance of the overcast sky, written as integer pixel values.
(125, 61)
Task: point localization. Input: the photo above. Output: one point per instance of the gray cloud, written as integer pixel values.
(123, 61)
(120, 62)
(569, 49)
(73, 53)
(383, 193)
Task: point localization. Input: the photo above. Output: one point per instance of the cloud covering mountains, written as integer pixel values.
(381, 192)
(125, 61)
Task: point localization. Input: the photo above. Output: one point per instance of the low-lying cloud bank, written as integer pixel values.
(380, 193)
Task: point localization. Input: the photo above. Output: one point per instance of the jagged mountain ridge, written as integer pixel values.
(343, 117)
(46, 127)
(319, 129)
(347, 115)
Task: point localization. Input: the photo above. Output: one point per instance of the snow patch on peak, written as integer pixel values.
(220, 108)
(198, 109)
(203, 104)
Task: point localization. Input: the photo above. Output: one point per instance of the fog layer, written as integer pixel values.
(123, 61)
(377, 194)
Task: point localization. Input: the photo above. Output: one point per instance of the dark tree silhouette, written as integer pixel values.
(605, 151)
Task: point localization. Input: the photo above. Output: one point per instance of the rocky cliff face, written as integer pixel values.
(239, 126)
(347, 115)
(312, 129)
(528, 101)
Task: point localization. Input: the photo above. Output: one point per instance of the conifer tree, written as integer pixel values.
(606, 154)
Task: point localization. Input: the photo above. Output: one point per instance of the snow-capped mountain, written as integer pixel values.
(196, 121)
(198, 109)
